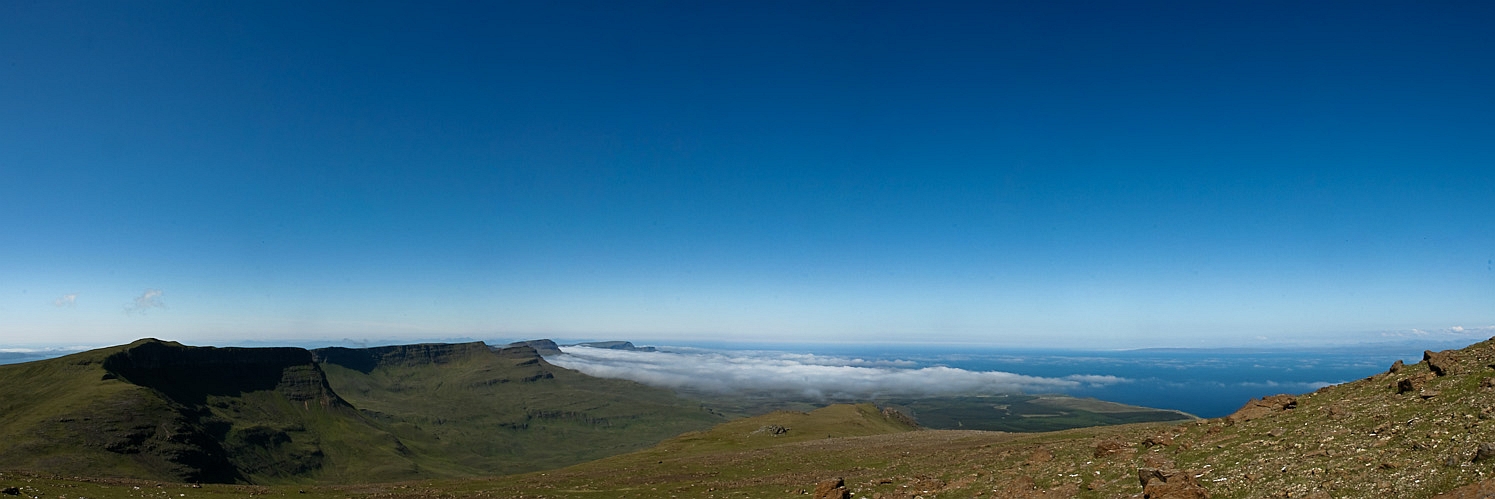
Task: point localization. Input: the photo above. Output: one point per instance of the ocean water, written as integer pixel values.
(1205, 383)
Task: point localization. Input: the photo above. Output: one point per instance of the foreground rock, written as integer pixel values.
(1169, 484)
(1258, 408)
(834, 488)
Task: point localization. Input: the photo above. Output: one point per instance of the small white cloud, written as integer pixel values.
(812, 376)
(66, 300)
(150, 299)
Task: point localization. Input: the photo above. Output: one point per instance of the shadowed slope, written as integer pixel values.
(476, 410)
(156, 409)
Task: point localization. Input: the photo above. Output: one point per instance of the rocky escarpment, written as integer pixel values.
(544, 347)
(190, 375)
(365, 360)
(203, 414)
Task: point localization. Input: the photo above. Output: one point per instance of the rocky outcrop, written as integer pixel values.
(834, 488)
(1109, 447)
(1441, 363)
(1169, 484)
(1258, 408)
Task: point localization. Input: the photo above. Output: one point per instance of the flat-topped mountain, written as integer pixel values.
(162, 410)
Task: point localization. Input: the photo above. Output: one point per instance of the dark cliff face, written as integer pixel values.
(190, 374)
(365, 360)
(544, 347)
(192, 433)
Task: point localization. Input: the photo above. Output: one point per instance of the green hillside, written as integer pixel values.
(161, 410)
(156, 409)
(474, 410)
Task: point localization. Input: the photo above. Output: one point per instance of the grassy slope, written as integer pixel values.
(72, 415)
(1361, 439)
(1025, 413)
(485, 412)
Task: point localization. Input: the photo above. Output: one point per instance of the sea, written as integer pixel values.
(1203, 382)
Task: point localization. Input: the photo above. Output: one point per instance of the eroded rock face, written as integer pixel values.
(1258, 408)
(1396, 367)
(1169, 484)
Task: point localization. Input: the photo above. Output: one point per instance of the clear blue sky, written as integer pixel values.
(1074, 174)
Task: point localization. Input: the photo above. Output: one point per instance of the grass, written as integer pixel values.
(1360, 439)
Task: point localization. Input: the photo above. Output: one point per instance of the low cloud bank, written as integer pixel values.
(808, 375)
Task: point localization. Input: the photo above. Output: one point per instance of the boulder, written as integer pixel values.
(1163, 440)
(1413, 383)
(834, 488)
(1169, 484)
(1486, 451)
(1258, 408)
(1396, 367)
(1442, 363)
(1108, 447)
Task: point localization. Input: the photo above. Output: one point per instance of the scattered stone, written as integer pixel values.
(1108, 447)
(1163, 440)
(1169, 484)
(1396, 367)
(1041, 455)
(1441, 363)
(1317, 453)
(1427, 394)
(1337, 412)
(1486, 451)
(1487, 383)
(771, 430)
(1276, 432)
(1258, 408)
(834, 488)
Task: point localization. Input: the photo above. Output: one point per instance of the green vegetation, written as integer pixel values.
(1025, 413)
(1409, 433)
(160, 410)
(469, 410)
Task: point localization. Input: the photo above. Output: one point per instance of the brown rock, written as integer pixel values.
(1396, 367)
(1485, 451)
(1169, 484)
(834, 488)
(1158, 440)
(1108, 447)
(1442, 363)
(1487, 383)
(1479, 490)
(1041, 455)
(1258, 408)
(1413, 384)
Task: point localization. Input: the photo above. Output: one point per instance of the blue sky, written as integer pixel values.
(1070, 174)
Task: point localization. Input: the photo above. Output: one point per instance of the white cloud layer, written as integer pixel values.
(66, 300)
(808, 375)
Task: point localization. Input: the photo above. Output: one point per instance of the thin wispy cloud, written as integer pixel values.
(67, 300)
(147, 300)
(807, 375)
